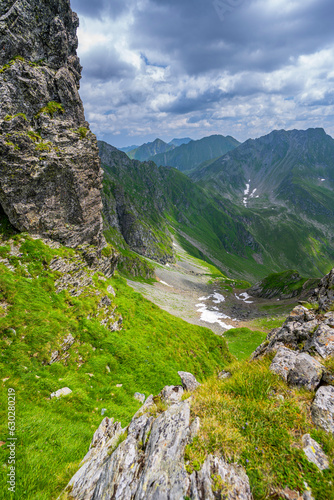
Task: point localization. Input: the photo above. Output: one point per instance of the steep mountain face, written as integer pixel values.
(283, 186)
(50, 178)
(285, 167)
(191, 155)
(179, 142)
(149, 149)
(132, 206)
(128, 148)
(144, 203)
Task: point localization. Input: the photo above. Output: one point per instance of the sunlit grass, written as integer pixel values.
(254, 419)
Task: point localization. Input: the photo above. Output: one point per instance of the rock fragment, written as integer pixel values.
(314, 453)
(61, 392)
(322, 409)
(189, 382)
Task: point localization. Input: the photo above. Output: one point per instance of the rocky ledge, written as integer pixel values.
(50, 178)
(146, 459)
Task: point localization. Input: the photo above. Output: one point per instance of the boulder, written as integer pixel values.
(189, 382)
(322, 409)
(307, 372)
(314, 453)
(324, 340)
(283, 362)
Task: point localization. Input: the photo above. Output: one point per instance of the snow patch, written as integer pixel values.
(244, 297)
(218, 298)
(213, 316)
(164, 283)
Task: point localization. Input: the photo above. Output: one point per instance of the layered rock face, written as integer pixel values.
(146, 460)
(50, 178)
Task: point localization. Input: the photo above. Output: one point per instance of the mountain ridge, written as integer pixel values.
(188, 156)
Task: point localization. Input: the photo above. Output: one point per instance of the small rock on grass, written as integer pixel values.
(224, 374)
(314, 453)
(140, 397)
(189, 382)
(61, 392)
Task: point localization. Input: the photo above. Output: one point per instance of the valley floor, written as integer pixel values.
(189, 290)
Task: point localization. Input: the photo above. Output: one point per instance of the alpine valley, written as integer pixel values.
(166, 311)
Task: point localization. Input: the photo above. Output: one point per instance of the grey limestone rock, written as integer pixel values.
(324, 340)
(314, 453)
(306, 330)
(324, 293)
(146, 460)
(283, 362)
(83, 483)
(188, 380)
(306, 372)
(140, 397)
(172, 394)
(322, 409)
(50, 182)
(231, 481)
(224, 374)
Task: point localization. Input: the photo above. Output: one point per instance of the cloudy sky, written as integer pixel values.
(192, 68)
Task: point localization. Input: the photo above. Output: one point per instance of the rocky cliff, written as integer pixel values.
(50, 178)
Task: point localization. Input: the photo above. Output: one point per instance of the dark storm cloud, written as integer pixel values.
(178, 63)
(184, 104)
(103, 63)
(97, 8)
(251, 37)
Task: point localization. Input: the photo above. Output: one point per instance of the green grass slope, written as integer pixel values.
(103, 368)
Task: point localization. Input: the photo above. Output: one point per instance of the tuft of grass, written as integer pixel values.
(51, 109)
(82, 131)
(34, 136)
(43, 146)
(10, 117)
(243, 419)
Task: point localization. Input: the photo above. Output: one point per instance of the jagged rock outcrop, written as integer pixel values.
(324, 293)
(50, 175)
(307, 330)
(146, 460)
(307, 336)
